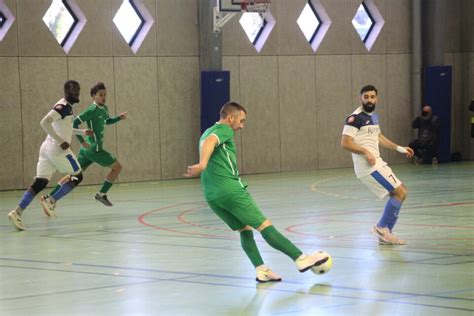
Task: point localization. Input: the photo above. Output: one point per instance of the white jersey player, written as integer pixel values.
(55, 155)
(362, 136)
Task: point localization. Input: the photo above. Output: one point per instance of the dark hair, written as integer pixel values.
(98, 86)
(231, 107)
(368, 88)
(69, 84)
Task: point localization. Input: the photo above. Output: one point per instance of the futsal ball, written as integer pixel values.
(325, 267)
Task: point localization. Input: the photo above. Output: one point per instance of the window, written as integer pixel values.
(6, 19)
(133, 21)
(368, 23)
(257, 26)
(363, 22)
(309, 22)
(65, 21)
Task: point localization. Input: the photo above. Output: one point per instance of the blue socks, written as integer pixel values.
(390, 213)
(63, 190)
(26, 199)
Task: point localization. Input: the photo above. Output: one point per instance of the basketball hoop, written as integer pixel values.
(259, 6)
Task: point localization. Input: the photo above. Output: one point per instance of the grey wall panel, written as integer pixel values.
(35, 39)
(398, 99)
(467, 25)
(95, 39)
(334, 104)
(88, 71)
(11, 164)
(148, 47)
(259, 94)
(290, 37)
(230, 37)
(179, 114)
(138, 136)
(469, 147)
(297, 97)
(42, 81)
(380, 45)
(271, 45)
(232, 64)
(9, 44)
(338, 38)
(177, 28)
(457, 122)
(398, 26)
(453, 26)
(372, 69)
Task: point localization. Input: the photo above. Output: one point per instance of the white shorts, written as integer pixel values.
(381, 181)
(52, 158)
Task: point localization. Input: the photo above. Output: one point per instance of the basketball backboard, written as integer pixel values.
(229, 5)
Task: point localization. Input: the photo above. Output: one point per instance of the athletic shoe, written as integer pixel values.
(264, 274)
(385, 237)
(103, 199)
(15, 218)
(48, 206)
(306, 262)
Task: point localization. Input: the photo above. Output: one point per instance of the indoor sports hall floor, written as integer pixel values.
(161, 251)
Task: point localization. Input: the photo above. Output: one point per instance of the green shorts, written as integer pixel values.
(237, 210)
(87, 157)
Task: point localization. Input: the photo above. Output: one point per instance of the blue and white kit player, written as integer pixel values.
(362, 136)
(55, 155)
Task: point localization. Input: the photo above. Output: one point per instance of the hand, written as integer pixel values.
(193, 171)
(370, 158)
(89, 132)
(85, 145)
(123, 115)
(64, 146)
(410, 152)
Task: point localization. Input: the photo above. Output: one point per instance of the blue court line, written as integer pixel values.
(195, 274)
(184, 280)
(234, 240)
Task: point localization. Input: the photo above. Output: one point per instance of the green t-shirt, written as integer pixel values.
(96, 117)
(221, 176)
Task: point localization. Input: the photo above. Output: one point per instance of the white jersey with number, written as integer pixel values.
(365, 130)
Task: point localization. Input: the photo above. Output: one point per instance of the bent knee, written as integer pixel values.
(401, 192)
(117, 167)
(264, 225)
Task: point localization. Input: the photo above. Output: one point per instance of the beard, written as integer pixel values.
(368, 107)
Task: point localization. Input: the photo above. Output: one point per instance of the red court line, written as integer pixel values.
(142, 220)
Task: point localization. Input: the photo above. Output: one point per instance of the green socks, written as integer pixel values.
(250, 247)
(106, 186)
(275, 239)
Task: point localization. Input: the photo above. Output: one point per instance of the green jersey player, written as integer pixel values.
(227, 195)
(96, 117)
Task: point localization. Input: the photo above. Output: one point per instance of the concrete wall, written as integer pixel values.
(459, 54)
(297, 99)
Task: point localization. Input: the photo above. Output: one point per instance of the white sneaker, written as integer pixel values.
(306, 262)
(48, 206)
(264, 274)
(15, 218)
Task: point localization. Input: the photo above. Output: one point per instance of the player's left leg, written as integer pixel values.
(383, 182)
(246, 210)
(105, 159)
(115, 170)
(247, 241)
(65, 163)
